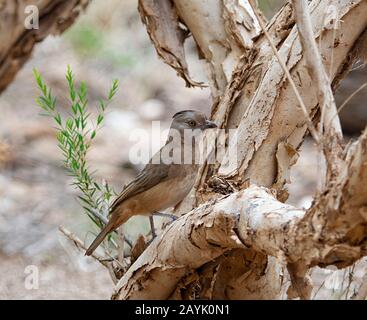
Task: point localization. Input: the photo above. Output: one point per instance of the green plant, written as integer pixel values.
(75, 135)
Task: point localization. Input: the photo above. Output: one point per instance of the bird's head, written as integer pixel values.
(186, 135)
(191, 120)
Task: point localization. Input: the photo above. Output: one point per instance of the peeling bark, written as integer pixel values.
(262, 103)
(329, 115)
(259, 237)
(167, 35)
(182, 261)
(223, 31)
(185, 245)
(277, 118)
(17, 42)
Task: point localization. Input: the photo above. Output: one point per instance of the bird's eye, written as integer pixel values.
(192, 123)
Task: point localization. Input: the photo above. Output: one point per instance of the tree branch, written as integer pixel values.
(329, 115)
(55, 16)
(332, 232)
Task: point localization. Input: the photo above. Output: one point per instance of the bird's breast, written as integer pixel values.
(165, 194)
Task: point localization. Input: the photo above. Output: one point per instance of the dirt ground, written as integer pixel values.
(35, 192)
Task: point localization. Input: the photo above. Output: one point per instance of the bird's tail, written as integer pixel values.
(97, 241)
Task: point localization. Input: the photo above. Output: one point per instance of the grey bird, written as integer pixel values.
(165, 180)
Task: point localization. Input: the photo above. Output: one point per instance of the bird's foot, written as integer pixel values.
(151, 221)
(152, 228)
(166, 215)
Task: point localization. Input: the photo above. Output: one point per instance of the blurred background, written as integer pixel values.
(107, 42)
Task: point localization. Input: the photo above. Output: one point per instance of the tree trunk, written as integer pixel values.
(238, 238)
(17, 42)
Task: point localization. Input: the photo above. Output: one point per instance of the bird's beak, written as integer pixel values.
(209, 124)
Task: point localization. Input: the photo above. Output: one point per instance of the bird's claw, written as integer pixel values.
(165, 215)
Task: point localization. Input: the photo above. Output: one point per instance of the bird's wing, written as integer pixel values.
(150, 176)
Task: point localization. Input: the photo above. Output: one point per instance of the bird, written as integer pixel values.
(165, 180)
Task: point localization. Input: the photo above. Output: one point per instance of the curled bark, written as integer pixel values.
(167, 35)
(223, 31)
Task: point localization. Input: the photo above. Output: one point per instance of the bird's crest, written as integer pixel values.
(181, 112)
